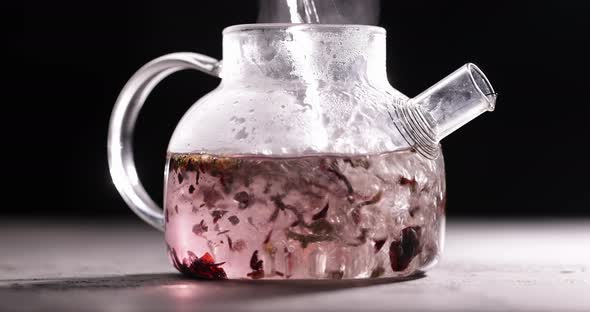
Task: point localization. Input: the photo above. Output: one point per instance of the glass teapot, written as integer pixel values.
(304, 162)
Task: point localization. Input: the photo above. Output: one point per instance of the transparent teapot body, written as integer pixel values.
(304, 162)
(292, 167)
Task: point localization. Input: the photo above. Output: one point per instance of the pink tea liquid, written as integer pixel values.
(319, 217)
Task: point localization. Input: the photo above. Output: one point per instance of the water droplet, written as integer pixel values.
(242, 134)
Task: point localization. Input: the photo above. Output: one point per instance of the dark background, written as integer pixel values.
(528, 158)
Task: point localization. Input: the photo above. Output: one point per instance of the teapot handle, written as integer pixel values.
(122, 124)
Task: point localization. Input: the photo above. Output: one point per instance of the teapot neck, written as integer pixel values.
(304, 52)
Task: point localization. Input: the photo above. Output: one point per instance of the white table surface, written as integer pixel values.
(541, 265)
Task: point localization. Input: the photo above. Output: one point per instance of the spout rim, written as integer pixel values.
(491, 96)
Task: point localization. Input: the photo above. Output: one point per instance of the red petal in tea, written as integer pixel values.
(402, 251)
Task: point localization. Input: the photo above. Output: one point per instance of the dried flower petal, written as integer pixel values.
(256, 266)
(243, 199)
(205, 267)
(356, 212)
(335, 274)
(210, 195)
(267, 239)
(334, 169)
(255, 263)
(217, 214)
(402, 251)
(412, 183)
(239, 245)
(200, 228)
(379, 244)
(323, 213)
(233, 220)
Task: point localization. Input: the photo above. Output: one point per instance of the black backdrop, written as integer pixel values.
(528, 158)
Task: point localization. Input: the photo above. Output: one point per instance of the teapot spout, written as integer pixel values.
(456, 100)
(443, 108)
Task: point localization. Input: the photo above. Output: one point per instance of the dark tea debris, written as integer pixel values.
(280, 205)
(267, 188)
(321, 226)
(356, 212)
(275, 214)
(239, 245)
(243, 199)
(377, 272)
(217, 214)
(375, 199)
(210, 195)
(278, 201)
(190, 165)
(322, 214)
(357, 162)
(226, 181)
(256, 266)
(233, 220)
(413, 210)
(180, 178)
(335, 274)
(191, 189)
(174, 164)
(362, 238)
(223, 232)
